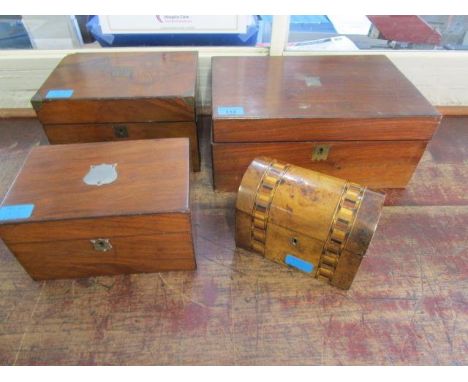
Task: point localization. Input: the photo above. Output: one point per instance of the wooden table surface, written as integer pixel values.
(408, 303)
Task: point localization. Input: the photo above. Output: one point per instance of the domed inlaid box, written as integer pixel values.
(317, 223)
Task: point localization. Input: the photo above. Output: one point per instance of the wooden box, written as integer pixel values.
(317, 223)
(354, 117)
(92, 97)
(102, 208)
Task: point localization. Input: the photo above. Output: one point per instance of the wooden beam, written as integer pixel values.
(460, 111)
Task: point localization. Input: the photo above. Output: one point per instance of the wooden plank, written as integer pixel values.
(9, 113)
(459, 111)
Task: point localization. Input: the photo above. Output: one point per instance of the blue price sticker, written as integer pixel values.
(298, 263)
(59, 93)
(16, 212)
(230, 110)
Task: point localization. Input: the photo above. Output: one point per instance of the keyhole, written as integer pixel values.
(120, 131)
(294, 241)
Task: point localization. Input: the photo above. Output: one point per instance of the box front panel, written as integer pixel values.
(323, 129)
(115, 110)
(106, 256)
(377, 164)
(100, 132)
(104, 246)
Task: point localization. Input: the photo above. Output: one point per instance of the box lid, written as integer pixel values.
(316, 98)
(119, 87)
(102, 179)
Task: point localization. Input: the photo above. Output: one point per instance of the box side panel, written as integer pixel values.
(94, 132)
(75, 229)
(346, 270)
(69, 249)
(116, 110)
(365, 223)
(378, 164)
(306, 129)
(243, 230)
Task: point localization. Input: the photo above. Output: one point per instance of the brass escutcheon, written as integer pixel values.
(320, 152)
(101, 245)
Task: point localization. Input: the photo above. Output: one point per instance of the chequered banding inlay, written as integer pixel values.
(261, 208)
(340, 229)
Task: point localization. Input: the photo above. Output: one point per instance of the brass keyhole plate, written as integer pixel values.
(320, 152)
(101, 245)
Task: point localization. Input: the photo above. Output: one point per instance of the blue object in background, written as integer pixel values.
(13, 34)
(318, 24)
(173, 39)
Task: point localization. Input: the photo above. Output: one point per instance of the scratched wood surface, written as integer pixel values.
(407, 305)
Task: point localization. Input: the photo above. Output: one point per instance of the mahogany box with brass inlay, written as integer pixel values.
(317, 223)
(92, 97)
(101, 208)
(354, 117)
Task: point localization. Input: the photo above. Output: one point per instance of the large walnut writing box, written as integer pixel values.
(101, 209)
(354, 117)
(92, 97)
(317, 223)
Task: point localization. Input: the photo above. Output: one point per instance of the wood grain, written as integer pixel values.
(317, 98)
(407, 305)
(7, 113)
(377, 164)
(120, 87)
(60, 230)
(129, 254)
(382, 121)
(56, 241)
(441, 176)
(346, 87)
(460, 111)
(293, 129)
(103, 132)
(322, 220)
(115, 111)
(152, 177)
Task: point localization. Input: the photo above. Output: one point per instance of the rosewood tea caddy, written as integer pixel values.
(93, 97)
(101, 208)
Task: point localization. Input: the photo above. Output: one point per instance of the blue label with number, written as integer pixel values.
(230, 110)
(59, 93)
(16, 211)
(298, 263)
